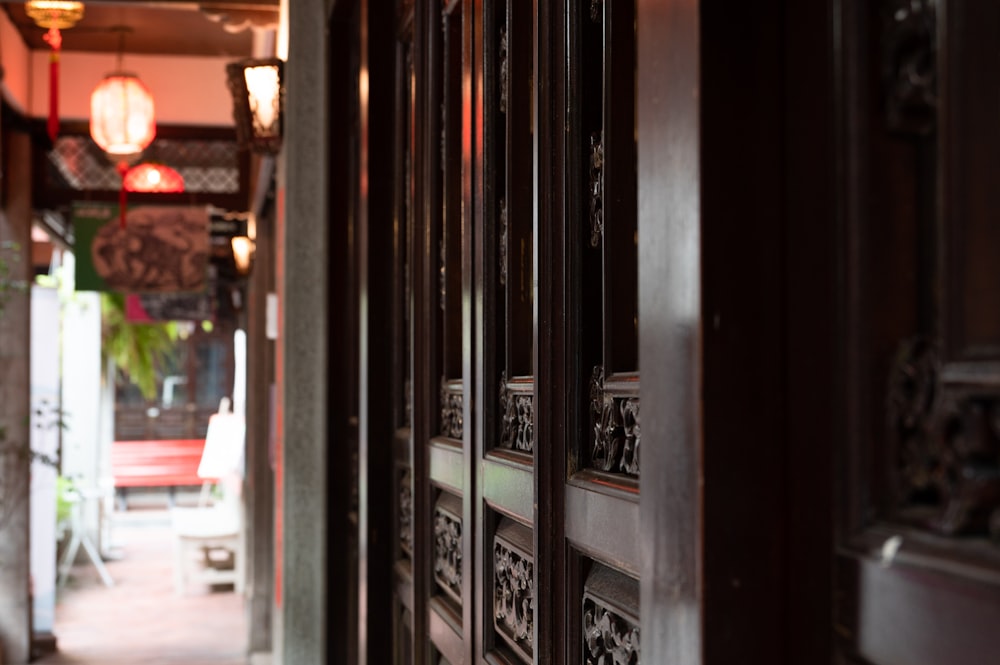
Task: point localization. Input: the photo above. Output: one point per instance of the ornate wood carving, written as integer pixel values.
(608, 638)
(596, 10)
(596, 188)
(448, 546)
(504, 69)
(946, 431)
(610, 618)
(514, 587)
(442, 275)
(451, 408)
(504, 233)
(910, 65)
(615, 414)
(517, 414)
(406, 513)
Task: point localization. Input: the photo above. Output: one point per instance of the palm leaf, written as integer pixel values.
(137, 349)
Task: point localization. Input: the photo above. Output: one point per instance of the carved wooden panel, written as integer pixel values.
(514, 588)
(910, 65)
(517, 414)
(616, 428)
(596, 189)
(610, 618)
(405, 513)
(448, 545)
(946, 431)
(451, 408)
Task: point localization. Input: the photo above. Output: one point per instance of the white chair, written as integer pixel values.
(208, 540)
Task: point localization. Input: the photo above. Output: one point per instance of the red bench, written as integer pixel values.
(167, 463)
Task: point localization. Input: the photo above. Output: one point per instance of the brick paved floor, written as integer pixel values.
(140, 621)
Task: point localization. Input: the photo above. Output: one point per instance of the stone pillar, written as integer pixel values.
(15, 403)
(303, 356)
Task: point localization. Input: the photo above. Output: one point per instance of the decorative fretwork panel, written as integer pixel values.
(448, 545)
(514, 588)
(451, 409)
(406, 513)
(207, 166)
(610, 618)
(946, 430)
(909, 63)
(517, 413)
(596, 190)
(615, 416)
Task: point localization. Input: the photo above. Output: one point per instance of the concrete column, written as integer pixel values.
(302, 365)
(15, 405)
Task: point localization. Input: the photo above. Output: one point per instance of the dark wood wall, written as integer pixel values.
(814, 301)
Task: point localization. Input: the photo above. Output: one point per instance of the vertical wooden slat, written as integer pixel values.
(341, 586)
(554, 317)
(376, 238)
(670, 329)
(426, 352)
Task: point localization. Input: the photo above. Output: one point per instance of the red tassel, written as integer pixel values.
(54, 38)
(122, 171)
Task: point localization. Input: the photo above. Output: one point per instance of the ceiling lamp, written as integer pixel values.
(57, 13)
(54, 15)
(256, 86)
(155, 178)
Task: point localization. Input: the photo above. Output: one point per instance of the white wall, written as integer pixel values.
(82, 395)
(45, 441)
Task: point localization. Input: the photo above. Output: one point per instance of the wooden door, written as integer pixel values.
(515, 322)
(917, 563)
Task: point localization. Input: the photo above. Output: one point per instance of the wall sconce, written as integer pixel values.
(256, 86)
(243, 250)
(244, 247)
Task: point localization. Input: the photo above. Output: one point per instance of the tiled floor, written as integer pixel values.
(141, 621)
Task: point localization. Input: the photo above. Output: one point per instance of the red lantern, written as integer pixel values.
(121, 115)
(149, 177)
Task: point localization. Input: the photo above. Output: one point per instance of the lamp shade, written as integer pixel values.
(59, 14)
(157, 178)
(122, 121)
(256, 87)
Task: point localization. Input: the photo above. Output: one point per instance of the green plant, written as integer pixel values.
(137, 349)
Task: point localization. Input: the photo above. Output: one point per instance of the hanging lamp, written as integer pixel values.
(153, 177)
(122, 118)
(54, 15)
